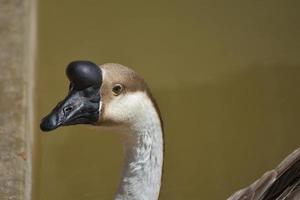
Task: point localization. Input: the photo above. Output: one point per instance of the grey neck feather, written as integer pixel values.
(143, 148)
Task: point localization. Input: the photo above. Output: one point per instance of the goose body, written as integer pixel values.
(115, 96)
(282, 183)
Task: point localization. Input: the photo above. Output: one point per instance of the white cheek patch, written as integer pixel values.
(129, 107)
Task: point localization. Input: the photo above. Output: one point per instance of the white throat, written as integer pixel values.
(143, 148)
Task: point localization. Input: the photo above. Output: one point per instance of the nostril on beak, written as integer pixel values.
(68, 109)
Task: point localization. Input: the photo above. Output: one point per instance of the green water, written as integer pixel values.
(226, 75)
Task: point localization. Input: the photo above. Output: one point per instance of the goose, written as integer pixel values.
(112, 95)
(115, 96)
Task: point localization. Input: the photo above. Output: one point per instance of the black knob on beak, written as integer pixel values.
(84, 74)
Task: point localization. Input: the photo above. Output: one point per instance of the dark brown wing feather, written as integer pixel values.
(282, 183)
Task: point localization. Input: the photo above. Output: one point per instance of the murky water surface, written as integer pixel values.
(226, 75)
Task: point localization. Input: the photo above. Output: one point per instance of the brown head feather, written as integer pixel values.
(118, 74)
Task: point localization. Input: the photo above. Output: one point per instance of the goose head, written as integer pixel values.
(102, 95)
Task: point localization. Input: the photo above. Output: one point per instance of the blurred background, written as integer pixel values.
(226, 76)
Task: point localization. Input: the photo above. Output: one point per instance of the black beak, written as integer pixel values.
(74, 109)
(81, 106)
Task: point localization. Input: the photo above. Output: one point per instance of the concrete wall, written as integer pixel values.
(17, 36)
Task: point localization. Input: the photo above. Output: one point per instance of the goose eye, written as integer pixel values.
(117, 89)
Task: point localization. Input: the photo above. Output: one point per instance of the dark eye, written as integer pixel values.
(117, 89)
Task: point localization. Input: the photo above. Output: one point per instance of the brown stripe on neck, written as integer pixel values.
(163, 134)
